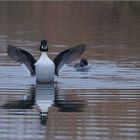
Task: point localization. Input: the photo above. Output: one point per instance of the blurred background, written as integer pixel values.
(109, 29)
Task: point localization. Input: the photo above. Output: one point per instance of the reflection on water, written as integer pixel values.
(100, 114)
(45, 96)
(101, 103)
(26, 102)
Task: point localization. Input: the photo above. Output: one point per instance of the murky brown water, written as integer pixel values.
(101, 103)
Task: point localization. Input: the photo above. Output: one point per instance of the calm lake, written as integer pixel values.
(101, 103)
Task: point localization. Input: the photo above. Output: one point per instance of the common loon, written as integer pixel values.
(44, 68)
(83, 65)
(83, 62)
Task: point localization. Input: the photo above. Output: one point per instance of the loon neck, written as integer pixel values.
(44, 54)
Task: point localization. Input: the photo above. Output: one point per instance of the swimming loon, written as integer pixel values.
(83, 62)
(44, 68)
(83, 65)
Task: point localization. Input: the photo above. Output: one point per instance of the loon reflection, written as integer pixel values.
(44, 96)
(26, 102)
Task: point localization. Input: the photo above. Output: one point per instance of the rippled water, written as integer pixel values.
(100, 103)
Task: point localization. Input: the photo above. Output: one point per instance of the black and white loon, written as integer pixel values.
(83, 63)
(44, 68)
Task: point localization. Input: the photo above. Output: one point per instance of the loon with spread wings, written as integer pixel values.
(44, 68)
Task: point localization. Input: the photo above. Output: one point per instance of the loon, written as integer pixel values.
(83, 65)
(83, 62)
(44, 68)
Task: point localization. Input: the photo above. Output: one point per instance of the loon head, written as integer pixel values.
(43, 46)
(83, 62)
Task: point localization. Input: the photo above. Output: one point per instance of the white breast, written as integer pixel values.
(45, 69)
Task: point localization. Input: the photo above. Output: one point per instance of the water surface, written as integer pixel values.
(100, 103)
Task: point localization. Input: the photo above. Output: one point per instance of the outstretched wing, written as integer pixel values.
(23, 57)
(67, 56)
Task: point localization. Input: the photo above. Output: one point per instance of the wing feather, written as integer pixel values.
(23, 57)
(67, 56)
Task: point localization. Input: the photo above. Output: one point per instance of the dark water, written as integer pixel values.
(100, 103)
